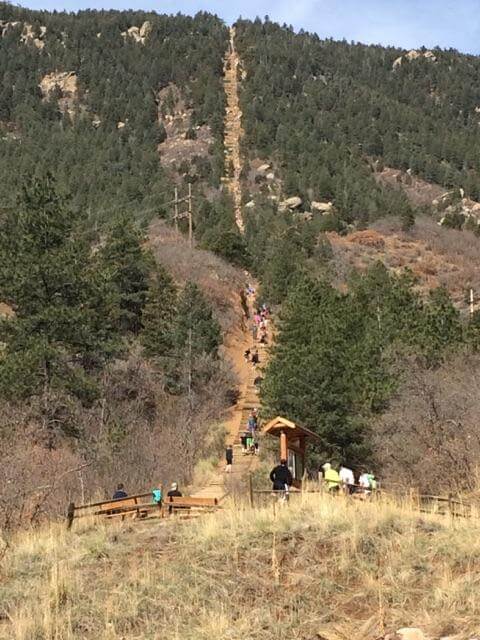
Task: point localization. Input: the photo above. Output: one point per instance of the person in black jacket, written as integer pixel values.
(281, 476)
(119, 492)
(229, 458)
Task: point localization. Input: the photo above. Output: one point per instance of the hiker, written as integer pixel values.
(348, 479)
(243, 440)
(252, 423)
(173, 493)
(263, 337)
(255, 359)
(331, 478)
(281, 477)
(229, 458)
(157, 496)
(372, 481)
(120, 492)
(254, 332)
(364, 482)
(246, 355)
(250, 445)
(257, 318)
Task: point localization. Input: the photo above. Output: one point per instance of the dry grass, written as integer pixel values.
(319, 568)
(219, 281)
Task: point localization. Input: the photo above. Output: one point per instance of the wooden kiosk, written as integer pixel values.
(293, 443)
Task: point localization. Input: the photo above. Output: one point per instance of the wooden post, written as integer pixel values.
(176, 209)
(190, 223)
(283, 446)
(250, 489)
(70, 514)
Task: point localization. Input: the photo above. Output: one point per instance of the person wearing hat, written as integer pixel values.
(173, 493)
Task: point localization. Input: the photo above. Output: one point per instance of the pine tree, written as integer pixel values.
(196, 329)
(62, 328)
(129, 266)
(159, 316)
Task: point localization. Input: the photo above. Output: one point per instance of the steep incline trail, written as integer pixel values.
(233, 129)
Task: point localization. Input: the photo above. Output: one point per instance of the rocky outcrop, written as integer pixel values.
(414, 55)
(139, 34)
(65, 82)
(322, 207)
(291, 203)
(27, 35)
(454, 203)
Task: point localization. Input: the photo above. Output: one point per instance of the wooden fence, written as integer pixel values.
(425, 503)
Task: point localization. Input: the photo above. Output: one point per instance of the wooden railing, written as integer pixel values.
(425, 503)
(139, 506)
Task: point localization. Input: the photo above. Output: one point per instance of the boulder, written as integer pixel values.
(270, 176)
(324, 207)
(250, 204)
(397, 62)
(145, 30)
(292, 203)
(120, 125)
(429, 55)
(263, 168)
(413, 54)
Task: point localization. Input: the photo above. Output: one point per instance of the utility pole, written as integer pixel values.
(190, 224)
(176, 209)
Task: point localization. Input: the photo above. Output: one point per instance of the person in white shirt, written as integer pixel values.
(348, 479)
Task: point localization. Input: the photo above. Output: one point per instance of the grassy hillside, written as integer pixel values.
(320, 568)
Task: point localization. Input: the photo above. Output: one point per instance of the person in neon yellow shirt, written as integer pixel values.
(331, 478)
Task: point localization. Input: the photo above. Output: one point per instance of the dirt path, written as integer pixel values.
(233, 129)
(236, 420)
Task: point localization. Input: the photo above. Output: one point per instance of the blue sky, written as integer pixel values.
(403, 23)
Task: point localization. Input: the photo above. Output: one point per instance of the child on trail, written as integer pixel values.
(229, 458)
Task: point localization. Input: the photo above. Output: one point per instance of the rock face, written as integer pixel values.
(139, 34)
(66, 83)
(455, 202)
(291, 203)
(27, 34)
(414, 55)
